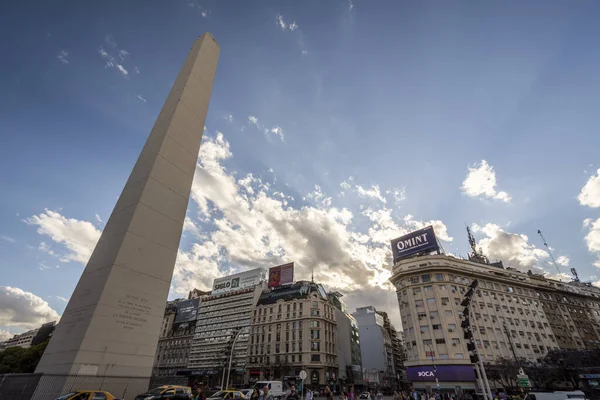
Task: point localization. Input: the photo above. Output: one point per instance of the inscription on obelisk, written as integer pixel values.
(111, 325)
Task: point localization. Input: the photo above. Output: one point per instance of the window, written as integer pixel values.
(431, 300)
(428, 288)
(315, 346)
(315, 334)
(427, 342)
(434, 314)
(421, 315)
(314, 313)
(418, 303)
(414, 279)
(440, 341)
(439, 277)
(436, 327)
(424, 328)
(451, 327)
(455, 341)
(99, 396)
(315, 304)
(443, 356)
(426, 278)
(276, 348)
(448, 313)
(459, 355)
(315, 357)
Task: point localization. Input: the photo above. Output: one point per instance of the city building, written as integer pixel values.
(293, 329)
(398, 352)
(511, 310)
(348, 345)
(22, 339)
(376, 348)
(223, 314)
(30, 338)
(176, 334)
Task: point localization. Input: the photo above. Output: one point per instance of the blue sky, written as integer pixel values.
(333, 127)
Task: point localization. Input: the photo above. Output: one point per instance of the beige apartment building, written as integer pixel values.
(293, 328)
(524, 310)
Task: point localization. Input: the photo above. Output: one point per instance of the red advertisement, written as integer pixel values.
(281, 275)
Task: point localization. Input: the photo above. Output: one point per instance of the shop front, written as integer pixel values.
(450, 378)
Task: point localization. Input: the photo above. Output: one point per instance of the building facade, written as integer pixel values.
(349, 356)
(24, 339)
(224, 313)
(293, 329)
(510, 310)
(176, 335)
(376, 349)
(398, 374)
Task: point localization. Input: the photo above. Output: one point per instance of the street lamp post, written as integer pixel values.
(437, 382)
(237, 335)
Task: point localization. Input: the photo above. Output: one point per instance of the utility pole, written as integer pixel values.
(512, 348)
(231, 355)
(471, 347)
(437, 382)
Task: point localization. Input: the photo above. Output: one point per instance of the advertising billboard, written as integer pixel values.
(187, 310)
(242, 280)
(281, 275)
(415, 242)
(444, 373)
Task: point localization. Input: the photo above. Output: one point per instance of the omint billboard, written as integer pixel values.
(415, 242)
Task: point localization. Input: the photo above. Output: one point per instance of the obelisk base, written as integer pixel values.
(125, 388)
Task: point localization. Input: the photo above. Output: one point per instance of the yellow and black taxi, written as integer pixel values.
(228, 395)
(168, 392)
(88, 395)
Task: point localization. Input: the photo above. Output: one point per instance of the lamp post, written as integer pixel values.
(237, 335)
(437, 382)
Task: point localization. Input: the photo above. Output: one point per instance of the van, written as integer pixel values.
(560, 395)
(275, 388)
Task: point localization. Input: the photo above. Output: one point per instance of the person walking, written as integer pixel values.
(255, 394)
(328, 393)
(266, 394)
(309, 394)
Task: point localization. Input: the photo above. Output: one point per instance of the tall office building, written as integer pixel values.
(222, 314)
(511, 310)
(376, 347)
(110, 327)
(348, 345)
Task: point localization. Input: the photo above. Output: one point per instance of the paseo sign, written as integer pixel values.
(415, 242)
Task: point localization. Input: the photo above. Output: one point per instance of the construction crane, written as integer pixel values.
(549, 252)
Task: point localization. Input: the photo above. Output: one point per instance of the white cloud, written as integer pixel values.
(592, 238)
(279, 21)
(79, 237)
(136, 70)
(23, 309)
(139, 96)
(122, 69)
(373, 193)
(481, 181)
(563, 276)
(8, 239)
(277, 131)
(204, 13)
(229, 118)
(62, 56)
(350, 5)
(398, 194)
(514, 250)
(345, 185)
(99, 219)
(63, 299)
(590, 193)
(563, 260)
(117, 61)
(5, 335)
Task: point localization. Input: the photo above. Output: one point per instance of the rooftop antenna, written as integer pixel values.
(472, 241)
(575, 276)
(549, 252)
(312, 273)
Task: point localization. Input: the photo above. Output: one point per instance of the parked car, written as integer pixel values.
(228, 395)
(170, 392)
(87, 395)
(364, 395)
(275, 388)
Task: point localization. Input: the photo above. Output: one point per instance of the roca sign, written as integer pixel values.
(415, 242)
(425, 373)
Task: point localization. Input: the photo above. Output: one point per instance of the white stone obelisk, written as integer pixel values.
(110, 328)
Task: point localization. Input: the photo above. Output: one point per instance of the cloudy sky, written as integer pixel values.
(333, 127)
